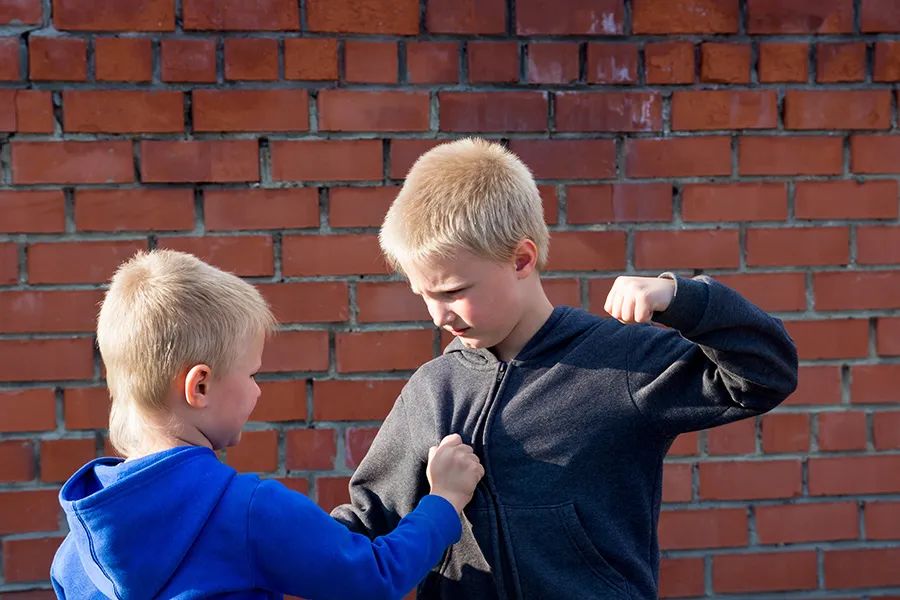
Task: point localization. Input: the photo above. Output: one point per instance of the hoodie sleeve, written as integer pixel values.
(297, 549)
(389, 480)
(723, 360)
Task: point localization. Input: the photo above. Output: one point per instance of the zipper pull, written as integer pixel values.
(501, 371)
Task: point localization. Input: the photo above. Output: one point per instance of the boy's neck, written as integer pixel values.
(162, 440)
(533, 318)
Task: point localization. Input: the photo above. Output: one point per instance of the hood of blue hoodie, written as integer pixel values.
(134, 522)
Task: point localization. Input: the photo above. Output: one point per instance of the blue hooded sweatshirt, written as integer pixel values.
(180, 524)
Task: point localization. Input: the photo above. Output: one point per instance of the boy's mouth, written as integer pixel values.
(458, 332)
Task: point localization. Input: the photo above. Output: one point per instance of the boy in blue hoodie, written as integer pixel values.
(571, 414)
(181, 342)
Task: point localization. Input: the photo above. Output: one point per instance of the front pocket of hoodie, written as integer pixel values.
(555, 557)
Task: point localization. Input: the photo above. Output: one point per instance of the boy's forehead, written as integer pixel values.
(438, 274)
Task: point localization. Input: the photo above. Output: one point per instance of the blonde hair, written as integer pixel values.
(164, 312)
(470, 194)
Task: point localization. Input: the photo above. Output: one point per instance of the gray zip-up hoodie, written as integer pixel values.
(572, 434)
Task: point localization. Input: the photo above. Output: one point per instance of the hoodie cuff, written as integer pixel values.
(688, 304)
(445, 516)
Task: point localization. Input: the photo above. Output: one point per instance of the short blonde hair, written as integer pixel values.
(470, 194)
(164, 312)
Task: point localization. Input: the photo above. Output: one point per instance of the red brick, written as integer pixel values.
(862, 568)
(708, 248)
(311, 59)
(881, 519)
(817, 385)
(253, 59)
(296, 351)
(832, 338)
(824, 16)
(790, 155)
(734, 202)
(857, 290)
(86, 408)
(691, 529)
(57, 58)
(28, 559)
(432, 62)
(841, 62)
(250, 110)
(123, 59)
(832, 200)
(21, 12)
(261, 209)
(678, 157)
(354, 400)
(357, 443)
(382, 350)
(551, 62)
(27, 410)
(399, 17)
(297, 484)
(466, 16)
(874, 384)
(10, 60)
(246, 256)
(257, 452)
(853, 475)
(352, 254)
(281, 401)
(386, 301)
(168, 209)
(351, 110)
(770, 291)
(493, 111)
(768, 572)
(879, 15)
(598, 292)
(359, 206)
(699, 110)
(750, 480)
(46, 359)
(785, 432)
(669, 62)
(877, 245)
(567, 159)
(619, 203)
(78, 262)
(550, 203)
(8, 121)
(332, 491)
(26, 511)
(235, 15)
(308, 302)
(734, 438)
(680, 16)
(327, 160)
(9, 263)
(886, 66)
(72, 162)
(794, 246)
(188, 60)
(370, 62)
(111, 15)
(888, 337)
(685, 444)
(842, 431)
(32, 211)
(677, 483)
(608, 111)
(588, 251)
(187, 161)
(310, 449)
(837, 109)
(72, 311)
(16, 460)
(580, 17)
(680, 577)
(562, 292)
(725, 63)
(873, 153)
(403, 154)
(491, 61)
(612, 63)
(34, 111)
(783, 62)
(807, 523)
(121, 111)
(61, 458)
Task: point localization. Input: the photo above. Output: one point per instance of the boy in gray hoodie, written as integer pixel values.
(571, 414)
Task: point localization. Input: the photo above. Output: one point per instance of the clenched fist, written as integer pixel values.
(635, 299)
(453, 471)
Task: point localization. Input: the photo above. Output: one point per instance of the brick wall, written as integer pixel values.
(755, 140)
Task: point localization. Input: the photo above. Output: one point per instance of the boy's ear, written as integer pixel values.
(525, 258)
(196, 386)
